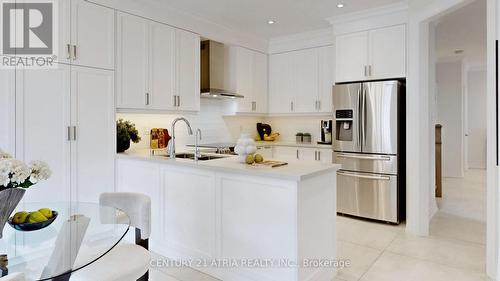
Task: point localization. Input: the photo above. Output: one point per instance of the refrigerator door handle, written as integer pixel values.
(361, 176)
(360, 117)
(363, 117)
(365, 157)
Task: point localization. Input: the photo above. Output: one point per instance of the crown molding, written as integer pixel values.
(300, 41)
(382, 16)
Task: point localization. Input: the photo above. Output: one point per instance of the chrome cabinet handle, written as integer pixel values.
(175, 100)
(316, 155)
(297, 154)
(291, 106)
(366, 71)
(178, 101)
(363, 157)
(382, 178)
(319, 155)
(69, 133)
(74, 133)
(68, 51)
(369, 70)
(74, 52)
(147, 98)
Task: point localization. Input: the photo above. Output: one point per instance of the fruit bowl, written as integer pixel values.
(33, 226)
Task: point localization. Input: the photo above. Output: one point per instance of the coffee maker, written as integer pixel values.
(326, 132)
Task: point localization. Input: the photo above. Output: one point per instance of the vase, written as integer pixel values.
(246, 145)
(122, 144)
(9, 198)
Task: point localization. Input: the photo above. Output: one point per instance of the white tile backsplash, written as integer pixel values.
(219, 128)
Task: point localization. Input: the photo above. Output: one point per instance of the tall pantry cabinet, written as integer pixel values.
(65, 116)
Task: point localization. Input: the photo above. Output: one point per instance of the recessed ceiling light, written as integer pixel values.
(340, 5)
(271, 22)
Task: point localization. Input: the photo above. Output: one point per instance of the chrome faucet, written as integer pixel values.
(172, 141)
(196, 148)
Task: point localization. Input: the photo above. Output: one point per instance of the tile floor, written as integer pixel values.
(455, 249)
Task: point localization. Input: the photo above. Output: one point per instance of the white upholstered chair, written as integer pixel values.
(13, 277)
(125, 262)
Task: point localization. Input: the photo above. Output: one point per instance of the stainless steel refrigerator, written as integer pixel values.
(369, 142)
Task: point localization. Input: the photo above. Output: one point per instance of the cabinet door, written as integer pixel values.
(325, 156)
(7, 114)
(245, 79)
(93, 34)
(188, 70)
(94, 149)
(326, 79)
(281, 83)
(142, 177)
(132, 62)
(388, 52)
(260, 85)
(162, 65)
(265, 151)
(285, 153)
(308, 154)
(42, 120)
(189, 210)
(306, 80)
(64, 24)
(351, 57)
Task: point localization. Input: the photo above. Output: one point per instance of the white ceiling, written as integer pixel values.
(463, 29)
(251, 16)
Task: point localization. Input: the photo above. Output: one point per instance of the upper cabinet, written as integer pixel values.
(87, 34)
(371, 55)
(248, 75)
(301, 81)
(158, 66)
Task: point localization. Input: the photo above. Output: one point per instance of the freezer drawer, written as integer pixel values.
(368, 195)
(369, 163)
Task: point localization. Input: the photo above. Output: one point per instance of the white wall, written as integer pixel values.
(477, 119)
(450, 115)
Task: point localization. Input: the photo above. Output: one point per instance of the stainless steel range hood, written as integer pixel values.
(213, 69)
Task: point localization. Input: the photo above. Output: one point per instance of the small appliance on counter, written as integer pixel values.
(326, 132)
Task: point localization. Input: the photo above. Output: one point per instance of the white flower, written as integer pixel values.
(39, 171)
(4, 155)
(19, 171)
(4, 180)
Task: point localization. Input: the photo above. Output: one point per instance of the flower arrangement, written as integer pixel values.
(17, 174)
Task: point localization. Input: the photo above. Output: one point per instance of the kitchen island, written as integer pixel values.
(238, 222)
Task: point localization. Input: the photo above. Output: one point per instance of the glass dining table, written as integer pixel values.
(80, 235)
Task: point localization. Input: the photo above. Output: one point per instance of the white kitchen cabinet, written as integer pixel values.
(159, 72)
(306, 77)
(86, 34)
(42, 131)
(351, 57)
(92, 35)
(94, 135)
(265, 151)
(161, 66)
(387, 52)
(189, 209)
(285, 153)
(143, 177)
(132, 62)
(188, 70)
(301, 81)
(7, 114)
(248, 77)
(326, 79)
(281, 84)
(77, 125)
(371, 55)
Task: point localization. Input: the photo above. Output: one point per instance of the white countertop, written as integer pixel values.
(293, 144)
(295, 171)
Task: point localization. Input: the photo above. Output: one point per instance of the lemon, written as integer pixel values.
(35, 217)
(46, 212)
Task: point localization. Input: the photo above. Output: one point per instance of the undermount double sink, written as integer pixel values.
(202, 157)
